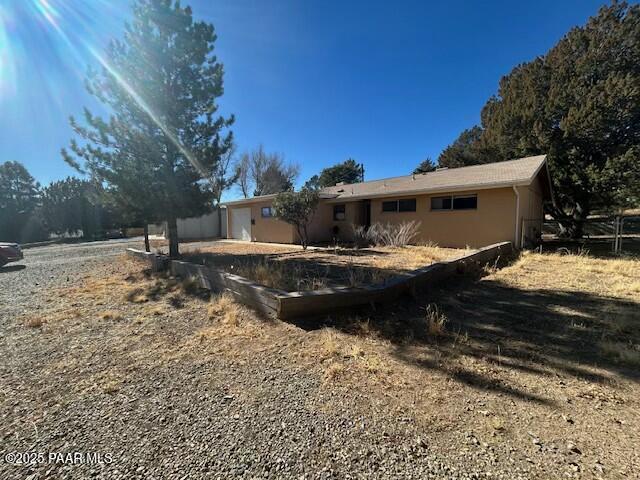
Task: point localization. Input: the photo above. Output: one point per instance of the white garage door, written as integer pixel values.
(241, 223)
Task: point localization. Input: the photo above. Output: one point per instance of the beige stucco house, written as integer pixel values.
(468, 206)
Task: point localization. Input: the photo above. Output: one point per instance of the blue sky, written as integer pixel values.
(387, 83)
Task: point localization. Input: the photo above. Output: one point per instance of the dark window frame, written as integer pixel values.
(451, 200)
(390, 202)
(473, 196)
(412, 204)
(337, 211)
(262, 209)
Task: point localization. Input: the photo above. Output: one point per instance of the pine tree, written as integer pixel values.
(425, 166)
(163, 138)
(348, 171)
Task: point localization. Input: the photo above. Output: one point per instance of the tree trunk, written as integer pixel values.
(172, 231)
(147, 247)
(219, 220)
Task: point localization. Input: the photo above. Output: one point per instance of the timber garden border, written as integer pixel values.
(290, 305)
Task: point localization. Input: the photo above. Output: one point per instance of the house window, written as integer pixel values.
(467, 202)
(266, 212)
(408, 205)
(390, 206)
(455, 202)
(339, 212)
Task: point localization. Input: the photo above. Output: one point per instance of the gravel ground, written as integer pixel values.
(168, 395)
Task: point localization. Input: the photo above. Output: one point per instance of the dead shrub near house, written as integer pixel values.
(386, 235)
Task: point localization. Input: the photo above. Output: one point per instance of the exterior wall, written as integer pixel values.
(321, 227)
(196, 228)
(531, 212)
(493, 221)
(264, 229)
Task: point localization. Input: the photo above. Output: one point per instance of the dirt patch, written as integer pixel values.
(505, 377)
(295, 269)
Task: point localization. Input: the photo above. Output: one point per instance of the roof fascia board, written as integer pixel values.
(405, 193)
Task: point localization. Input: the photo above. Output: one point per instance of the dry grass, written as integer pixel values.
(293, 270)
(34, 322)
(225, 308)
(622, 352)
(333, 371)
(604, 277)
(111, 315)
(436, 321)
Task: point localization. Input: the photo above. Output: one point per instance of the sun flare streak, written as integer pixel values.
(54, 17)
(149, 111)
(7, 62)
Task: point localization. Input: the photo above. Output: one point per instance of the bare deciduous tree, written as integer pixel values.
(265, 173)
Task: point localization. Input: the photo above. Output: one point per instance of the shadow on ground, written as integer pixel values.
(540, 332)
(12, 268)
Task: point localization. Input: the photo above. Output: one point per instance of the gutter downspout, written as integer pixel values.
(515, 190)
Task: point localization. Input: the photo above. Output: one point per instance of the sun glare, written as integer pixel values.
(69, 29)
(7, 64)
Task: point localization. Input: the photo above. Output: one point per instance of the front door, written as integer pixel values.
(366, 220)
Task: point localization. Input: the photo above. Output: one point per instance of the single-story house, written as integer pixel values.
(457, 207)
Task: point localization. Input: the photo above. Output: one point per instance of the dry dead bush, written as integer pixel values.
(386, 235)
(333, 371)
(436, 321)
(329, 343)
(225, 308)
(111, 315)
(34, 322)
(136, 295)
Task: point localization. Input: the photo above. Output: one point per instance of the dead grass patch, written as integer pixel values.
(111, 315)
(225, 308)
(575, 272)
(34, 322)
(622, 352)
(436, 321)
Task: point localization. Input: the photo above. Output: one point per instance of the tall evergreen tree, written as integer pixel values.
(348, 171)
(163, 138)
(580, 104)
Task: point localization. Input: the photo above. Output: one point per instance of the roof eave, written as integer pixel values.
(431, 191)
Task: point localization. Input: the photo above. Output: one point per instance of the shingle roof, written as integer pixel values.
(490, 175)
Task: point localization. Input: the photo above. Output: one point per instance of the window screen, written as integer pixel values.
(339, 212)
(467, 202)
(440, 203)
(266, 212)
(408, 205)
(390, 206)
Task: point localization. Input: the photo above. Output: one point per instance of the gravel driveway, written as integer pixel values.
(183, 411)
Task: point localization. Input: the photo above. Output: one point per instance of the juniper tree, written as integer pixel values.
(580, 104)
(163, 137)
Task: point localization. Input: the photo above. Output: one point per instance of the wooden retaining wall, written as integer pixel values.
(297, 304)
(158, 262)
(289, 305)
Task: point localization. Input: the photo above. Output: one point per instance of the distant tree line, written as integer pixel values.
(30, 212)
